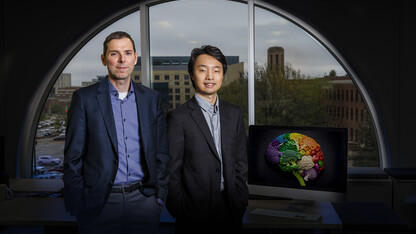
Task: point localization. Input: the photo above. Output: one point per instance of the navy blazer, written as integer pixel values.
(194, 181)
(91, 157)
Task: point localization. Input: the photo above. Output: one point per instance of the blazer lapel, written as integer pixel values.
(198, 117)
(103, 99)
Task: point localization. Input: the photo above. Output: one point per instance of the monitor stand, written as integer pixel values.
(300, 206)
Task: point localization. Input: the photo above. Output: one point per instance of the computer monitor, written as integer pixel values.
(306, 164)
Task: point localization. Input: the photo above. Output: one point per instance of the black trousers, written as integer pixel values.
(125, 213)
(219, 220)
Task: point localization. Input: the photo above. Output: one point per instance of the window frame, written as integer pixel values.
(27, 146)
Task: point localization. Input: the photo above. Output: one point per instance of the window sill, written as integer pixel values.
(367, 173)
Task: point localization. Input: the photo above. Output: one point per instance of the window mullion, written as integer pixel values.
(145, 45)
(251, 107)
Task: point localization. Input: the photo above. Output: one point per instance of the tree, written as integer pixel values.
(287, 98)
(281, 98)
(57, 109)
(236, 92)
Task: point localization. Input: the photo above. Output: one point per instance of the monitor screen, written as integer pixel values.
(304, 163)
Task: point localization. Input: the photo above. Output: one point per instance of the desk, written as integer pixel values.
(36, 185)
(46, 211)
(50, 213)
(369, 216)
(404, 193)
(329, 219)
(35, 211)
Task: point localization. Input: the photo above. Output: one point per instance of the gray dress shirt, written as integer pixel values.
(212, 116)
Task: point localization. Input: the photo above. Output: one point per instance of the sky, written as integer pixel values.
(179, 26)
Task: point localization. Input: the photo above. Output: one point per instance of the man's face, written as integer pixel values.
(208, 75)
(120, 58)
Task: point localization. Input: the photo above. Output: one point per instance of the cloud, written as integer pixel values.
(193, 42)
(283, 21)
(165, 23)
(273, 41)
(278, 33)
(181, 35)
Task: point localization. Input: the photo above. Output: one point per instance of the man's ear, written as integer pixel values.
(137, 55)
(103, 60)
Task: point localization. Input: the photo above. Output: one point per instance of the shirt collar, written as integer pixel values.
(114, 91)
(205, 105)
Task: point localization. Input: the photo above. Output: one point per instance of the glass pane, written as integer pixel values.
(84, 69)
(179, 26)
(299, 83)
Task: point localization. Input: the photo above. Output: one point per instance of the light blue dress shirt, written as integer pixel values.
(127, 127)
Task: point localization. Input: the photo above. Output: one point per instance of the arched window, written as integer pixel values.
(279, 72)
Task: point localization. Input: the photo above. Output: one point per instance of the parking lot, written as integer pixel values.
(49, 146)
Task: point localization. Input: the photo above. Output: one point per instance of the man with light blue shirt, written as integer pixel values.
(116, 149)
(207, 143)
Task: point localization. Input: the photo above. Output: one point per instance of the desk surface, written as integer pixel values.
(329, 219)
(51, 211)
(45, 211)
(36, 185)
(34, 211)
(375, 216)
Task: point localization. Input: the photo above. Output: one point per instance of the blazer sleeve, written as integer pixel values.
(73, 154)
(162, 156)
(176, 151)
(241, 167)
(241, 162)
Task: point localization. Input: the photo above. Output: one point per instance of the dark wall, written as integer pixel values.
(373, 38)
(407, 85)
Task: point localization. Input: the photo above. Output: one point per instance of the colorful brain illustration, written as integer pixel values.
(298, 154)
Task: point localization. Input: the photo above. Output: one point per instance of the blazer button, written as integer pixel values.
(218, 170)
(116, 161)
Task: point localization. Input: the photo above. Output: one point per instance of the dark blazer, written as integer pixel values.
(91, 153)
(194, 180)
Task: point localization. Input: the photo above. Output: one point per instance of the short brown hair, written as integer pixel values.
(117, 35)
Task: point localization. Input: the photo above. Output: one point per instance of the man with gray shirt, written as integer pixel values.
(207, 143)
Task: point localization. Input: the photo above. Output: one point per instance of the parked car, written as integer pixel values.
(40, 170)
(60, 137)
(58, 168)
(43, 160)
(50, 175)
